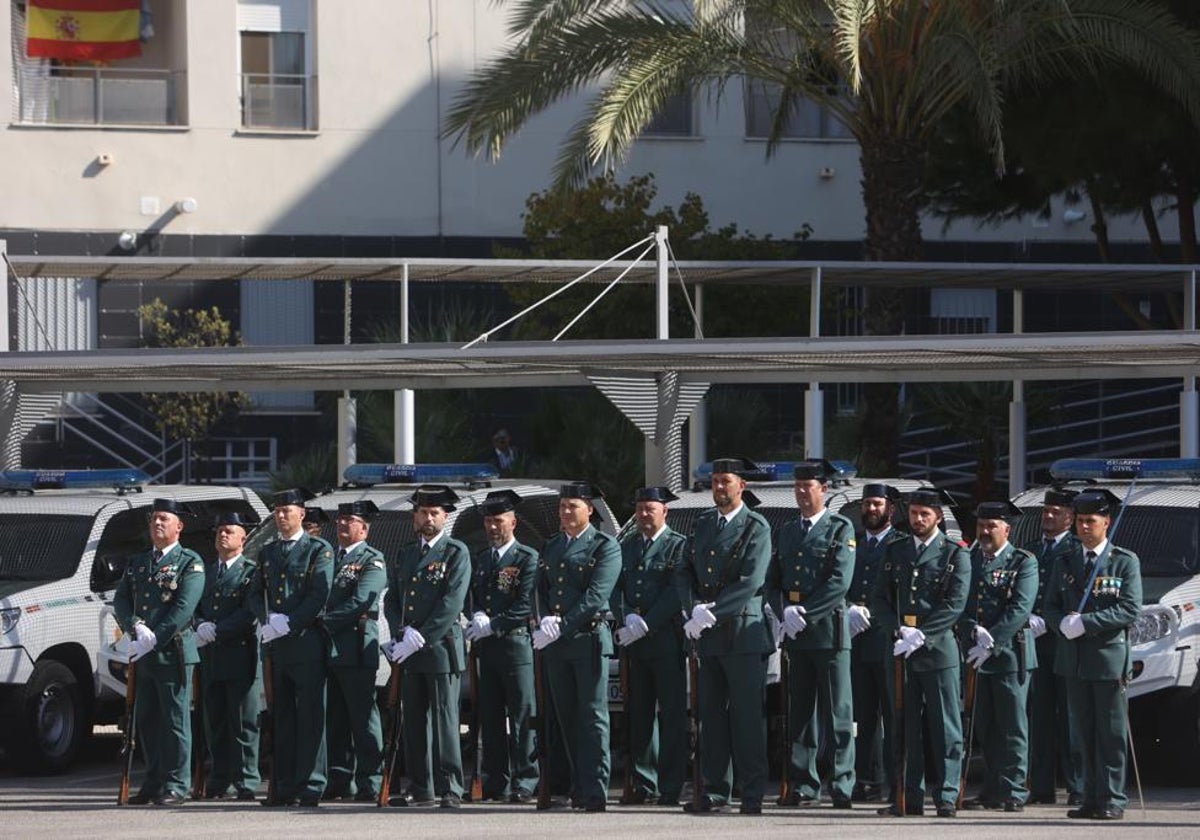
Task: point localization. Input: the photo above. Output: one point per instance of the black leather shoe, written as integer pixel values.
(668, 802)
(750, 806)
(842, 803)
(521, 797)
(366, 796)
(334, 794)
(1013, 806)
(408, 800)
(246, 795)
(594, 806)
(142, 797)
(1083, 812)
(309, 801)
(978, 803)
(946, 810)
(865, 793)
(1074, 800)
(639, 797)
(893, 810)
(451, 800)
(1109, 814)
(214, 793)
(1043, 799)
(171, 800)
(278, 802)
(706, 805)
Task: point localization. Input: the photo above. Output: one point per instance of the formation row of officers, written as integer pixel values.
(1043, 628)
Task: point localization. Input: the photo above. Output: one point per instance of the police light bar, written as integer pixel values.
(776, 471)
(1116, 468)
(71, 479)
(368, 475)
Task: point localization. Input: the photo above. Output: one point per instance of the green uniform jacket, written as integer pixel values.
(814, 571)
(729, 567)
(164, 596)
(1047, 643)
(297, 586)
(434, 590)
(234, 654)
(933, 592)
(1102, 652)
(505, 593)
(872, 644)
(1001, 598)
(352, 611)
(576, 583)
(646, 586)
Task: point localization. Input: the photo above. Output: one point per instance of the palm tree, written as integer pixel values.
(889, 70)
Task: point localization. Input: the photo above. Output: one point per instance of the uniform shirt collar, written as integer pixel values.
(1058, 538)
(228, 563)
(887, 529)
(164, 552)
(503, 549)
(919, 544)
(351, 548)
(729, 516)
(431, 543)
(995, 553)
(658, 533)
(293, 537)
(815, 518)
(1098, 549)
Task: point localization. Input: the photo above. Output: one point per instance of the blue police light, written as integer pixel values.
(776, 471)
(119, 479)
(368, 475)
(1067, 469)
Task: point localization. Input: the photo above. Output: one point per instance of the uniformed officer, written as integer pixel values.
(807, 583)
(719, 590)
(427, 589)
(229, 663)
(314, 520)
(576, 577)
(501, 601)
(869, 644)
(154, 604)
(1051, 747)
(288, 596)
(994, 631)
(650, 638)
(351, 620)
(1094, 595)
(919, 595)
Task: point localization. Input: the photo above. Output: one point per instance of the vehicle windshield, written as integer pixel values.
(1165, 539)
(41, 546)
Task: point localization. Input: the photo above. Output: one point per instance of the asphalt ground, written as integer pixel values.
(82, 803)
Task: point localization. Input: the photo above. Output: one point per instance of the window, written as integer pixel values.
(675, 120)
(277, 89)
(808, 120)
(40, 547)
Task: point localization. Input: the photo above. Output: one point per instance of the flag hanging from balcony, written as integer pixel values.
(83, 30)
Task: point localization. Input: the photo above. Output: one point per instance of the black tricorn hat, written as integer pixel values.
(818, 469)
(580, 490)
(434, 495)
(736, 465)
(174, 506)
(292, 496)
(1004, 509)
(1096, 500)
(926, 497)
(1059, 496)
(750, 500)
(362, 508)
(499, 501)
(232, 517)
(315, 515)
(654, 494)
(880, 491)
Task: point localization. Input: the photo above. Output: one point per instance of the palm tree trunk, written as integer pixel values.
(891, 184)
(1186, 201)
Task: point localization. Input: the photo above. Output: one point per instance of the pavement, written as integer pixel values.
(82, 803)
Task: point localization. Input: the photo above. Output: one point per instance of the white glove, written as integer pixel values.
(1038, 625)
(267, 634)
(541, 639)
(635, 628)
(691, 629)
(702, 614)
(983, 638)
(279, 623)
(550, 628)
(910, 640)
(860, 619)
(413, 636)
(1071, 626)
(977, 655)
(794, 621)
(144, 634)
(479, 628)
(206, 633)
(139, 649)
(389, 649)
(403, 649)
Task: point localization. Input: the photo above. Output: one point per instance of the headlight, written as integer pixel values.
(8, 619)
(1155, 622)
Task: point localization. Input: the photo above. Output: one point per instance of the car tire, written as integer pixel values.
(49, 721)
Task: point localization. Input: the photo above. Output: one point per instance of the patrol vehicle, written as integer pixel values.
(64, 538)
(1160, 522)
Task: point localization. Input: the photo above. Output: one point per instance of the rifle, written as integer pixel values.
(200, 745)
(785, 743)
(476, 735)
(129, 737)
(969, 695)
(628, 794)
(267, 720)
(694, 724)
(543, 736)
(899, 685)
(393, 741)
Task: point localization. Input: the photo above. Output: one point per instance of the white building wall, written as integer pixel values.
(386, 70)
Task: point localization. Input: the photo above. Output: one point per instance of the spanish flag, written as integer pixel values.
(83, 30)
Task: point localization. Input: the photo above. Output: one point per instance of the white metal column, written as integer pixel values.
(1189, 401)
(659, 458)
(698, 421)
(404, 439)
(347, 426)
(814, 399)
(1017, 418)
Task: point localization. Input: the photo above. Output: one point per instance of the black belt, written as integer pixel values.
(516, 631)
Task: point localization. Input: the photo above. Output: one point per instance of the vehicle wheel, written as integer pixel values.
(51, 720)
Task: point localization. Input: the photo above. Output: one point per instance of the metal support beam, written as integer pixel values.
(4, 336)
(698, 421)
(814, 400)
(1017, 417)
(347, 431)
(658, 467)
(1189, 401)
(404, 439)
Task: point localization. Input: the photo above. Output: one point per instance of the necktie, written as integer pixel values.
(286, 545)
(872, 542)
(645, 546)
(221, 567)
(157, 557)
(424, 549)
(495, 557)
(1090, 560)
(341, 555)
(721, 522)
(805, 524)
(1047, 546)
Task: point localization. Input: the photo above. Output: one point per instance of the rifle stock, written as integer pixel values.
(694, 724)
(393, 740)
(900, 758)
(267, 724)
(627, 792)
(129, 737)
(785, 743)
(200, 742)
(543, 744)
(476, 735)
(969, 695)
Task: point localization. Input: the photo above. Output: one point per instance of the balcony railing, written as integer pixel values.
(278, 100)
(100, 96)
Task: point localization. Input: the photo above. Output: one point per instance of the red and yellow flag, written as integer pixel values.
(83, 30)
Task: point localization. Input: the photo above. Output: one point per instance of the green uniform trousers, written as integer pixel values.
(231, 709)
(506, 701)
(932, 708)
(870, 691)
(299, 712)
(1052, 749)
(1098, 721)
(658, 693)
(580, 692)
(353, 733)
(733, 724)
(432, 751)
(1002, 729)
(162, 711)
(818, 691)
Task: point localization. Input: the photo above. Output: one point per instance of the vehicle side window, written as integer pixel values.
(36, 547)
(125, 534)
